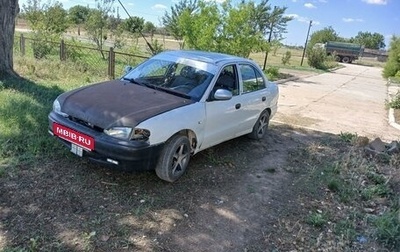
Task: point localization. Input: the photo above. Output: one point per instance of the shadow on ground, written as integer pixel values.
(231, 199)
(24, 107)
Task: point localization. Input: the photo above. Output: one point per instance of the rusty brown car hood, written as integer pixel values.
(118, 103)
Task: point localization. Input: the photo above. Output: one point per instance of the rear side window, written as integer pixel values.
(252, 79)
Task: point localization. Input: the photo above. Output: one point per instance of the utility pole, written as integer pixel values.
(305, 46)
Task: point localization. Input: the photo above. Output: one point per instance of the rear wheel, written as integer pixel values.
(174, 158)
(346, 59)
(261, 126)
(337, 58)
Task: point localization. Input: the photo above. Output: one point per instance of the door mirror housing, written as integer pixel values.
(127, 69)
(222, 95)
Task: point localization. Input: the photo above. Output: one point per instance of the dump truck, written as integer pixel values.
(344, 52)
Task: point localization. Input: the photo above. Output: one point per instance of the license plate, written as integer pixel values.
(75, 137)
(76, 150)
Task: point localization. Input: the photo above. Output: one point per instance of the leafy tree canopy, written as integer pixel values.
(50, 18)
(149, 27)
(323, 36)
(236, 30)
(134, 24)
(369, 40)
(78, 14)
(170, 20)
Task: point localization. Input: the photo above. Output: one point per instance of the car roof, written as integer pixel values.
(207, 57)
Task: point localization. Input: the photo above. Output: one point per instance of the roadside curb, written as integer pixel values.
(286, 80)
(392, 120)
(293, 78)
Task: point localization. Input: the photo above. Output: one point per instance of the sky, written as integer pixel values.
(346, 17)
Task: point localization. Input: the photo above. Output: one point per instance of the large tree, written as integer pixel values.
(48, 19)
(323, 36)
(8, 11)
(149, 28)
(171, 20)
(369, 40)
(96, 24)
(78, 15)
(230, 28)
(198, 29)
(272, 23)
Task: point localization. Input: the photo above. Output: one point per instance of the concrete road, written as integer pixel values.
(350, 99)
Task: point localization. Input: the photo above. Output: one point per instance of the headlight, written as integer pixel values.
(119, 132)
(57, 108)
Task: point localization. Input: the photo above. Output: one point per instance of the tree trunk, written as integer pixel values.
(8, 12)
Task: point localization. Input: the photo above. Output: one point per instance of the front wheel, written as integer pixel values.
(261, 126)
(174, 158)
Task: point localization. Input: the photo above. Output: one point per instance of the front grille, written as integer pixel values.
(85, 123)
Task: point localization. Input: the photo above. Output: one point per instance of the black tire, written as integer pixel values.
(346, 59)
(174, 158)
(261, 126)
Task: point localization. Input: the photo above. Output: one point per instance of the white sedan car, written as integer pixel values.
(165, 110)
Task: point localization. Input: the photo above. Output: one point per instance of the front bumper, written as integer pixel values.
(122, 154)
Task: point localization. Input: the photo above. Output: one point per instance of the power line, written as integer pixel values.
(141, 34)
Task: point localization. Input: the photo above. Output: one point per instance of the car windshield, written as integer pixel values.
(170, 76)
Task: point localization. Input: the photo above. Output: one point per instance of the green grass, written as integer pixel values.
(317, 219)
(24, 106)
(353, 183)
(332, 174)
(348, 137)
(388, 228)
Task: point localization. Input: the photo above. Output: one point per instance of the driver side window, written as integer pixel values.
(228, 80)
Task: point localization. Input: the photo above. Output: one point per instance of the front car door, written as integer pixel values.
(223, 116)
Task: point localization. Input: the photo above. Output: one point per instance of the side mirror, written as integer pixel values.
(127, 69)
(222, 95)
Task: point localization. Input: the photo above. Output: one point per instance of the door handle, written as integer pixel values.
(263, 98)
(237, 106)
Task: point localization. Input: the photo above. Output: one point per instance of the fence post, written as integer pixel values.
(111, 63)
(22, 44)
(62, 50)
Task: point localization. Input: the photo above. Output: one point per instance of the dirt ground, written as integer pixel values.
(233, 198)
(242, 195)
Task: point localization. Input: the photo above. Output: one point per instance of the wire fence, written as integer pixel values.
(108, 63)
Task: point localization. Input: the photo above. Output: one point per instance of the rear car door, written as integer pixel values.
(254, 95)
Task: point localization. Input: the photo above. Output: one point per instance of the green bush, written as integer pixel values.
(392, 66)
(286, 58)
(42, 45)
(272, 73)
(395, 102)
(41, 48)
(316, 58)
(73, 51)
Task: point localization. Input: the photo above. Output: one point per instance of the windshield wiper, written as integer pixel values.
(132, 80)
(167, 90)
(171, 91)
